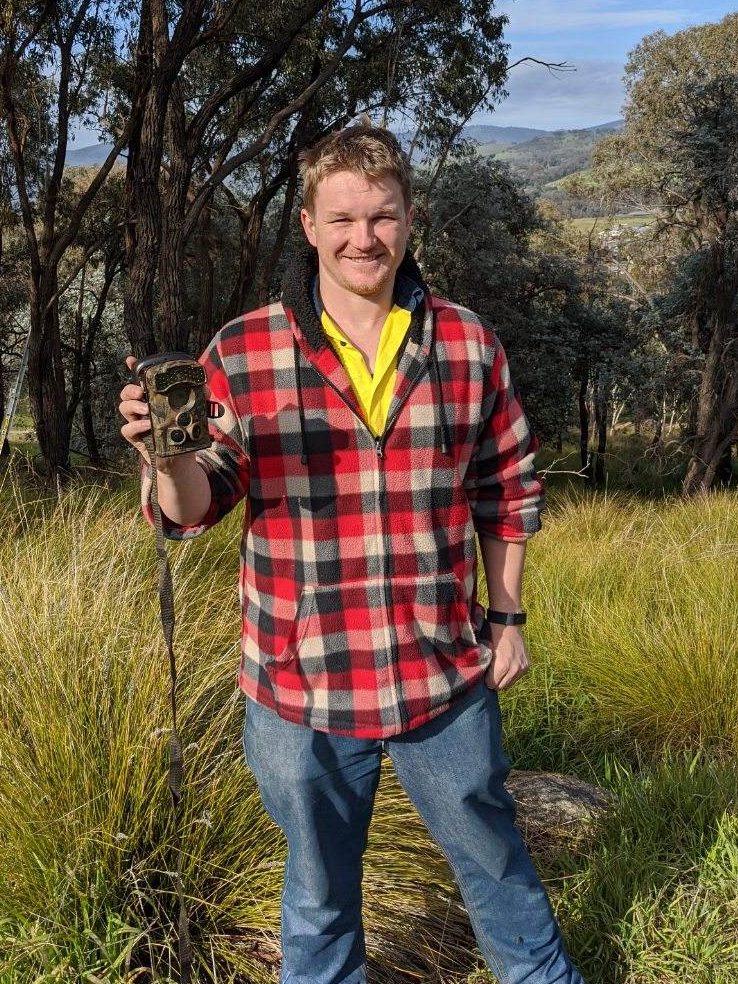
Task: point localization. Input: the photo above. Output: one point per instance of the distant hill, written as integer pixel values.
(553, 155)
(537, 158)
(94, 154)
(503, 135)
(486, 135)
(542, 162)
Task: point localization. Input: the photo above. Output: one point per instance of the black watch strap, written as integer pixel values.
(506, 618)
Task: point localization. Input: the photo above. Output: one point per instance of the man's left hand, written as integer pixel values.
(510, 659)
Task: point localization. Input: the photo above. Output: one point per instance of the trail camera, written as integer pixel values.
(174, 383)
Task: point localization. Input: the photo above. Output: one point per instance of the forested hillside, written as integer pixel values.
(541, 162)
(536, 157)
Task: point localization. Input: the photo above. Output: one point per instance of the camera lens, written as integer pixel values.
(184, 419)
(195, 432)
(179, 396)
(177, 436)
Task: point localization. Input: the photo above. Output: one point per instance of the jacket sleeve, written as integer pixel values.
(505, 494)
(226, 462)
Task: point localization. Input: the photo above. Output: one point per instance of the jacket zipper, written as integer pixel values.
(379, 443)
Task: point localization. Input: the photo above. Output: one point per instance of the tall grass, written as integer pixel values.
(634, 608)
(85, 832)
(633, 636)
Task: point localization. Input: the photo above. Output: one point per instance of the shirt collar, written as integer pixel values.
(407, 294)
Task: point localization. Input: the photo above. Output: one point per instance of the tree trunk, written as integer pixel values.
(88, 419)
(174, 329)
(3, 398)
(204, 327)
(600, 406)
(584, 425)
(47, 388)
(143, 226)
(267, 269)
(717, 412)
(724, 471)
(657, 441)
(159, 59)
(5, 447)
(252, 222)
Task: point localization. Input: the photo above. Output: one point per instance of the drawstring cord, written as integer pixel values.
(445, 440)
(300, 407)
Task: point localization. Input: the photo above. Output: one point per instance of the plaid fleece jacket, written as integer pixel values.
(358, 557)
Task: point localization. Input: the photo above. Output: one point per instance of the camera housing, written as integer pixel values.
(174, 386)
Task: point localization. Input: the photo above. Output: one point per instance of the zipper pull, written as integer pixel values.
(378, 447)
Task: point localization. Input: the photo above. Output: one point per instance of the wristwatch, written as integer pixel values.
(506, 618)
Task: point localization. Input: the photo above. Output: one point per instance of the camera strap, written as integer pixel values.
(176, 763)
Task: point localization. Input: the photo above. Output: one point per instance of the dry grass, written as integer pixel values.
(633, 633)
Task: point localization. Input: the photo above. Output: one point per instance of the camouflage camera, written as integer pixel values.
(173, 382)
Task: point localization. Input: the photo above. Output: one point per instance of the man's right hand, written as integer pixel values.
(184, 490)
(135, 409)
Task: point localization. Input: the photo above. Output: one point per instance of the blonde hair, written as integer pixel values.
(363, 149)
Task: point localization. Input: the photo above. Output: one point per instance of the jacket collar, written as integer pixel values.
(297, 295)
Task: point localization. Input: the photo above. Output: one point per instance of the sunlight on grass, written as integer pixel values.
(633, 625)
(636, 605)
(85, 833)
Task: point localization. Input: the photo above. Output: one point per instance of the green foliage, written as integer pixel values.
(484, 245)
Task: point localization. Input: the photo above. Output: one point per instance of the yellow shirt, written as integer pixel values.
(373, 391)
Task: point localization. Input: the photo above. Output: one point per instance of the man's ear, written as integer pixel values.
(409, 216)
(308, 226)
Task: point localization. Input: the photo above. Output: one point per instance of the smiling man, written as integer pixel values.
(373, 430)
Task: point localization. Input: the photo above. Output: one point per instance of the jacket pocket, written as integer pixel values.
(432, 618)
(341, 629)
(331, 621)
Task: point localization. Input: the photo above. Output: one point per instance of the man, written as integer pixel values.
(372, 428)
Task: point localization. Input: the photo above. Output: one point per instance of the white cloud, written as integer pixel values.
(591, 95)
(554, 15)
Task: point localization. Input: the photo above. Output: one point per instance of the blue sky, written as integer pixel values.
(595, 36)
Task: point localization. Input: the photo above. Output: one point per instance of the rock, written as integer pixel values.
(556, 810)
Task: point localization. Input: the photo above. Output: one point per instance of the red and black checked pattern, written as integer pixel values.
(358, 568)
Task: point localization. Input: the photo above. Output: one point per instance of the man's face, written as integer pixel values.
(360, 229)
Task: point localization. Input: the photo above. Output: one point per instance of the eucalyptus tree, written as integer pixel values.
(92, 336)
(676, 157)
(13, 301)
(49, 56)
(228, 95)
(210, 100)
(485, 253)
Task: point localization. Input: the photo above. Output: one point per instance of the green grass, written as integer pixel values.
(634, 619)
(604, 223)
(634, 686)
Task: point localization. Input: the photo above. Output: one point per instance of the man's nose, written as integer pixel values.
(363, 235)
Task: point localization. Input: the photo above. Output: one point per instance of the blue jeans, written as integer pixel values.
(320, 790)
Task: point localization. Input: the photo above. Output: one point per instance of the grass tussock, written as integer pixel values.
(632, 631)
(85, 825)
(633, 625)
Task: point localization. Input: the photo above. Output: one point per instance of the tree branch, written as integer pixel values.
(553, 67)
(262, 142)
